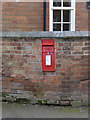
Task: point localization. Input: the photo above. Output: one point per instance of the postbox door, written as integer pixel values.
(48, 62)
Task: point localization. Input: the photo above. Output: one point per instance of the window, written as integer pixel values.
(62, 15)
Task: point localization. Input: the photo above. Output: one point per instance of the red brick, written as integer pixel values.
(69, 72)
(77, 44)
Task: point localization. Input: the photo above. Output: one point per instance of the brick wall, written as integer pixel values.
(28, 16)
(81, 16)
(23, 75)
(22, 16)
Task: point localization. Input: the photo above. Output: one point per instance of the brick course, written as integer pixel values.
(22, 16)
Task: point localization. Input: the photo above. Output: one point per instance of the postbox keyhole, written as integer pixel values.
(47, 53)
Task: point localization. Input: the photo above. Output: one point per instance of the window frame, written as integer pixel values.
(72, 9)
(17, 0)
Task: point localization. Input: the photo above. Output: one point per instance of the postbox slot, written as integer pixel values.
(47, 49)
(47, 44)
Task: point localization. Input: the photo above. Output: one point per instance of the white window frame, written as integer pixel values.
(72, 8)
(17, 0)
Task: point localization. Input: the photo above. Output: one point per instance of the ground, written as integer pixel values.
(14, 110)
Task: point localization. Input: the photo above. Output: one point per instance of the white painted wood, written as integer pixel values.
(62, 8)
(17, 0)
(72, 17)
(62, 22)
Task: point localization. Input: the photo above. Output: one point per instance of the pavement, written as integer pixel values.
(14, 110)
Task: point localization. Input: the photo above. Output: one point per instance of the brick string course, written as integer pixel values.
(22, 69)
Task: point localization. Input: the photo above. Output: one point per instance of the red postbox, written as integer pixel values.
(48, 55)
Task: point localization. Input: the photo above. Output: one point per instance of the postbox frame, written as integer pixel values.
(49, 44)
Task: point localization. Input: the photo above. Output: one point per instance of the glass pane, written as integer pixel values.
(66, 27)
(57, 4)
(66, 15)
(56, 27)
(56, 15)
(66, 3)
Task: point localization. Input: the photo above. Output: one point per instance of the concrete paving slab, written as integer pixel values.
(15, 110)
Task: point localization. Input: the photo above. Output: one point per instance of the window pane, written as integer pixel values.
(66, 15)
(57, 4)
(56, 27)
(66, 27)
(56, 15)
(67, 3)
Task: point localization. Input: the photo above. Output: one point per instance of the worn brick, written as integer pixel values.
(77, 44)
